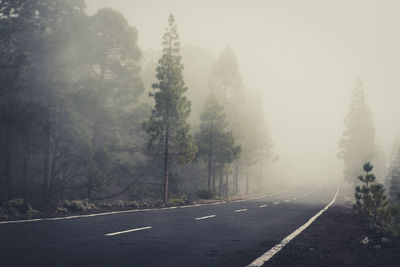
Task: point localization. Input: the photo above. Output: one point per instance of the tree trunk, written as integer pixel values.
(90, 190)
(166, 164)
(210, 155)
(46, 164)
(213, 178)
(53, 165)
(7, 162)
(236, 175)
(220, 185)
(226, 186)
(247, 184)
(27, 158)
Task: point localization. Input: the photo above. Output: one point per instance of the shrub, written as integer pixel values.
(75, 205)
(15, 204)
(61, 211)
(144, 204)
(370, 198)
(120, 204)
(105, 205)
(205, 194)
(16, 208)
(30, 213)
(176, 201)
(157, 203)
(134, 204)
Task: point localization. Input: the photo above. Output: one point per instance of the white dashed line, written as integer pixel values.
(287, 200)
(271, 252)
(263, 206)
(276, 203)
(205, 217)
(128, 231)
(240, 210)
(294, 198)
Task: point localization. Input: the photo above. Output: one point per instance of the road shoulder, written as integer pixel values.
(334, 240)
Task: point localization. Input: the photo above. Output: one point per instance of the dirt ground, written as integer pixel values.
(334, 239)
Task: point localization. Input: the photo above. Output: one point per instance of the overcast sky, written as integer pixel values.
(305, 56)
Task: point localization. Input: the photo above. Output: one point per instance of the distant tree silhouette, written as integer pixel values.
(358, 142)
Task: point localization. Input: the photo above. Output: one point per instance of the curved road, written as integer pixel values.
(225, 234)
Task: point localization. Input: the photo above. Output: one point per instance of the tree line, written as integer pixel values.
(75, 122)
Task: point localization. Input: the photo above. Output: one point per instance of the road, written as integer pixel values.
(225, 234)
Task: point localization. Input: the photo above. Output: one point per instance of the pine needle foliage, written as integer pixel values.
(370, 198)
(167, 127)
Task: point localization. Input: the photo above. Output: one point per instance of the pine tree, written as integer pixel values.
(225, 153)
(358, 142)
(212, 121)
(114, 87)
(216, 143)
(227, 84)
(245, 117)
(370, 197)
(256, 140)
(167, 126)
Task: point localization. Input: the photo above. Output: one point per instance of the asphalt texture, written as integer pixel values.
(175, 238)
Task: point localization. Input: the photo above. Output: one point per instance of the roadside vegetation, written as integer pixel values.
(372, 205)
(377, 193)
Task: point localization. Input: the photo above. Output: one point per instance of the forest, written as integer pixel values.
(187, 133)
(85, 113)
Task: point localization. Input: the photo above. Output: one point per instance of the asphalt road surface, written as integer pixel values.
(225, 234)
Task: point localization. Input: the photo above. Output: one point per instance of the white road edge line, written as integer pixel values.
(240, 210)
(128, 231)
(128, 211)
(205, 217)
(271, 252)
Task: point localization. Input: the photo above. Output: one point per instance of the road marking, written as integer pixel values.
(262, 196)
(271, 252)
(294, 198)
(276, 203)
(128, 231)
(263, 206)
(287, 200)
(129, 211)
(205, 217)
(170, 208)
(240, 210)
(19, 221)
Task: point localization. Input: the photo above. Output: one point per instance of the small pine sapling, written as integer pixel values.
(370, 198)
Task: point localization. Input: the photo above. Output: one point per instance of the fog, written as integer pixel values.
(186, 100)
(304, 56)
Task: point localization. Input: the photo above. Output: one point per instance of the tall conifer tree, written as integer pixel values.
(358, 143)
(167, 126)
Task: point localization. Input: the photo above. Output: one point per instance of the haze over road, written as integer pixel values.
(224, 234)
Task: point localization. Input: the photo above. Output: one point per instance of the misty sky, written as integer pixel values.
(305, 56)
